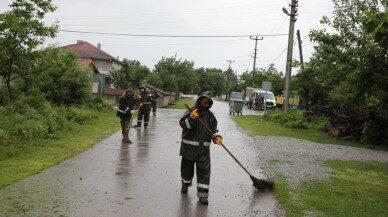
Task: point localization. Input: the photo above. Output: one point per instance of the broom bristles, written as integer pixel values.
(261, 184)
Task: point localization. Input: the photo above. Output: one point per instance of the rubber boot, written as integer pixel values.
(203, 200)
(184, 189)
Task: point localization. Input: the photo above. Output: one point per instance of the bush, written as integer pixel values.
(31, 117)
(98, 102)
(294, 120)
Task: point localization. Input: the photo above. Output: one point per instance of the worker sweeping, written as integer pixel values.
(126, 105)
(144, 98)
(195, 146)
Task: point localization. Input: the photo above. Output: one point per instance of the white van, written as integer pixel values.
(270, 101)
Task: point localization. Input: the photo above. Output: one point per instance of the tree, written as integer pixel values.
(177, 75)
(211, 79)
(21, 32)
(60, 78)
(270, 74)
(349, 66)
(130, 74)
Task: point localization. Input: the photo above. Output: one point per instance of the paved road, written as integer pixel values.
(143, 178)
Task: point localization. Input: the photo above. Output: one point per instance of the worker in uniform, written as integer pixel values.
(144, 101)
(124, 111)
(195, 146)
(155, 96)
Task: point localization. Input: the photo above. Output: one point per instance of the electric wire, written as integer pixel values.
(170, 36)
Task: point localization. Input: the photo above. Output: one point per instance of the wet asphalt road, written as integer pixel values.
(143, 178)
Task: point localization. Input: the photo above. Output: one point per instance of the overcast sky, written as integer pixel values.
(182, 17)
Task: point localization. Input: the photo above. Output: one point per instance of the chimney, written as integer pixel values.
(79, 41)
(99, 46)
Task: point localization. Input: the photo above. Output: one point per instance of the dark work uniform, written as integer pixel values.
(126, 104)
(195, 147)
(155, 96)
(145, 110)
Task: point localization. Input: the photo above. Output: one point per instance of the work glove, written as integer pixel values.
(217, 139)
(138, 96)
(194, 114)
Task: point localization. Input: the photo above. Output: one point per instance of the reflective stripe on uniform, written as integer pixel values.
(186, 182)
(187, 123)
(146, 122)
(190, 142)
(202, 194)
(195, 143)
(138, 121)
(147, 103)
(122, 111)
(202, 186)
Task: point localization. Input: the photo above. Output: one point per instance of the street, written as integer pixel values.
(143, 178)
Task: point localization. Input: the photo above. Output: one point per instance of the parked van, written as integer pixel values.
(269, 97)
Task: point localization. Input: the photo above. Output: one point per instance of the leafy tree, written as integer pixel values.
(211, 79)
(154, 79)
(270, 74)
(60, 78)
(21, 32)
(349, 66)
(130, 75)
(177, 75)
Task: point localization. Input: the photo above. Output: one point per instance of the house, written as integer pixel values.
(101, 63)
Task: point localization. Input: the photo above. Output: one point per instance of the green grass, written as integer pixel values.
(356, 189)
(24, 160)
(180, 103)
(256, 126)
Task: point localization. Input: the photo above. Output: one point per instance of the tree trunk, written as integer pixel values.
(8, 82)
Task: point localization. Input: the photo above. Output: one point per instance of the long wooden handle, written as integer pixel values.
(222, 144)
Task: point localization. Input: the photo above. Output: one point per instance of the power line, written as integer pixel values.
(169, 36)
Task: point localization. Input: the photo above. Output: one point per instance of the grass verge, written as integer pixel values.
(25, 160)
(356, 189)
(256, 126)
(180, 103)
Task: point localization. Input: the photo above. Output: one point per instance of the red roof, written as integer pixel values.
(117, 92)
(86, 50)
(85, 61)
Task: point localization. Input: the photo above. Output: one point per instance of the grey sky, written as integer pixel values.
(182, 17)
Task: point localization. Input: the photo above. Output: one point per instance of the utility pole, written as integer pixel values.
(254, 58)
(229, 70)
(294, 5)
(300, 48)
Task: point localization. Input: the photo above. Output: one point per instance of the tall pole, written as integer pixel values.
(229, 70)
(254, 58)
(300, 48)
(289, 54)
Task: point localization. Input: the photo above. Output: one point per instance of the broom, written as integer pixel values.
(259, 184)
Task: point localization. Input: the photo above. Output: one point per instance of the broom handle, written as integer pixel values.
(221, 144)
(236, 160)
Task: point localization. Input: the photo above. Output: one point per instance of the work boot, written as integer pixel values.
(184, 189)
(203, 200)
(154, 113)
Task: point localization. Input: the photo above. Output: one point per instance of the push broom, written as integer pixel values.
(259, 184)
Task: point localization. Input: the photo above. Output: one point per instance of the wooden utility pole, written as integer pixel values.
(254, 58)
(300, 48)
(229, 71)
(293, 15)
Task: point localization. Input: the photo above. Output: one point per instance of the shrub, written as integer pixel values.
(292, 119)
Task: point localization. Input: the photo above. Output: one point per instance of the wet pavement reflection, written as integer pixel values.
(143, 178)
